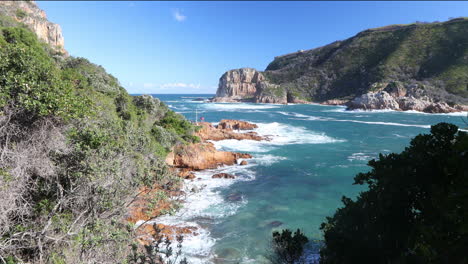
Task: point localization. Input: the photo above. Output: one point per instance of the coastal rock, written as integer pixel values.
(440, 107)
(186, 174)
(234, 197)
(239, 84)
(379, 100)
(201, 156)
(147, 233)
(275, 224)
(36, 20)
(236, 124)
(411, 103)
(225, 131)
(223, 176)
(243, 163)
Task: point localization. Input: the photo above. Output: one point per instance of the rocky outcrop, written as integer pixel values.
(239, 84)
(248, 85)
(418, 66)
(225, 131)
(223, 176)
(28, 13)
(384, 100)
(236, 124)
(380, 100)
(202, 156)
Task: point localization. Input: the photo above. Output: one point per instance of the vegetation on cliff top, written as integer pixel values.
(415, 210)
(75, 146)
(432, 56)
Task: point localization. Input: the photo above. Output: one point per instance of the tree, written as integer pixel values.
(416, 208)
(288, 247)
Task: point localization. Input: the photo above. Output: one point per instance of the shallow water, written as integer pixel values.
(294, 181)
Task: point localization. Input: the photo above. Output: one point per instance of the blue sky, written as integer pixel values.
(184, 47)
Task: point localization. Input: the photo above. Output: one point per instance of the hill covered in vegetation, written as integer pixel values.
(74, 149)
(420, 66)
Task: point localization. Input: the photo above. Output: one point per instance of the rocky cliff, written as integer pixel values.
(421, 66)
(29, 14)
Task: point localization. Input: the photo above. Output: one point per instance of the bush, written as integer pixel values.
(31, 81)
(415, 210)
(20, 14)
(288, 247)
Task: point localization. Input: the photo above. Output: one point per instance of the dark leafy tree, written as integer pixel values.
(416, 208)
(288, 247)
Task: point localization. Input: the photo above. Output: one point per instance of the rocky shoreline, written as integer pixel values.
(184, 161)
(249, 85)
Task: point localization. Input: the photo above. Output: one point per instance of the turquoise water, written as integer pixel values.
(294, 181)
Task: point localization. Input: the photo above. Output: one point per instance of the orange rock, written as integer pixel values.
(209, 132)
(150, 232)
(236, 124)
(244, 162)
(201, 156)
(187, 174)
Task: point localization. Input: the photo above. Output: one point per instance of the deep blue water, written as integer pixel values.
(294, 181)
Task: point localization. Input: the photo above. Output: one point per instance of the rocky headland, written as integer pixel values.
(419, 66)
(184, 160)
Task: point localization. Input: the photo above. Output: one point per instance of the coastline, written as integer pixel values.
(198, 165)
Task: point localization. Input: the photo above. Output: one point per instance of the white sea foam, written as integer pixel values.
(280, 134)
(382, 123)
(237, 106)
(313, 118)
(359, 156)
(267, 160)
(204, 200)
(293, 114)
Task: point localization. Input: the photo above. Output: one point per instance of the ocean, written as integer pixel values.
(294, 181)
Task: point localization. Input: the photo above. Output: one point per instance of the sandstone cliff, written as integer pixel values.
(420, 66)
(29, 14)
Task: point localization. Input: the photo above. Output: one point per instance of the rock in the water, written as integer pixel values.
(236, 124)
(275, 224)
(223, 176)
(379, 100)
(234, 197)
(244, 163)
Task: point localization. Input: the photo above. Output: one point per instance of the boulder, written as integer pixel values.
(223, 176)
(379, 100)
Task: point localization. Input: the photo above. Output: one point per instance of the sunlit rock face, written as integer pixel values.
(28, 13)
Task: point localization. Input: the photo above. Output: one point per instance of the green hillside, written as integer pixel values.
(75, 147)
(430, 56)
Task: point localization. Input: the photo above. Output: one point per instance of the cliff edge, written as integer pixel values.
(29, 14)
(419, 66)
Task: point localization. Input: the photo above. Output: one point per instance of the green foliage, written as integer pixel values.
(178, 124)
(288, 247)
(20, 14)
(433, 54)
(415, 210)
(89, 146)
(31, 81)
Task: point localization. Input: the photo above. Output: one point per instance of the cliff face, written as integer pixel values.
(427, 64)
(249, 85)
(28, 13)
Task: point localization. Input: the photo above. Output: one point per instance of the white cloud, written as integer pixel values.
(178, 15)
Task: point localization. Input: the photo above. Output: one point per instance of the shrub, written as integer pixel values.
(288, 247)
(415, 210)
(20, 14)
